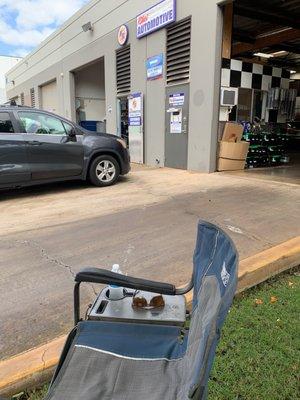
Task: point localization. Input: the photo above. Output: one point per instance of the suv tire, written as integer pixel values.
(104, 171)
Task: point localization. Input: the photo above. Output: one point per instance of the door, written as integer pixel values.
(122, 118)
(176, 134)
(49, 97)
(14, 166)
(52, 153)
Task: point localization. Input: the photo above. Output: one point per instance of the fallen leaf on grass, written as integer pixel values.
(18, 396)
(273, 299)
(291, 284)
(258, 302)
(295, 367)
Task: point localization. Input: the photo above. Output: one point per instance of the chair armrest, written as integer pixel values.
(96, 275)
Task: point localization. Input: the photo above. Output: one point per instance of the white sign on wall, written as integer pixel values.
(156, 17)
(135, 127)
(176, 99)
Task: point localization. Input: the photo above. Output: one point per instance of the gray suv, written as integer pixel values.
(38, 147)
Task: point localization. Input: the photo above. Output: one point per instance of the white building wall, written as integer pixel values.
(6, 63)
(69, 48)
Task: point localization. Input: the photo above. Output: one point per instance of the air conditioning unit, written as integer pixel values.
(229, 96)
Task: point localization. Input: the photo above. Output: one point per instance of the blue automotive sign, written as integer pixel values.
(156, 17)
(155, 67)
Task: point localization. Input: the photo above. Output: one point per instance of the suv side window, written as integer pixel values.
(68, 128)
(40, 123)
(6, 125)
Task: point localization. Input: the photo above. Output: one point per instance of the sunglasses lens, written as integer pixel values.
(139, 302)
(157, 302)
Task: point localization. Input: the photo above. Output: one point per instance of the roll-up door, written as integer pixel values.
(49, 97)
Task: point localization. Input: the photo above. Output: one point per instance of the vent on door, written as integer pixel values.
(179, 51)
(32, 98)
(123, 70)
(22, 99)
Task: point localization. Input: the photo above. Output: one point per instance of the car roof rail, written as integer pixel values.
(14, 105)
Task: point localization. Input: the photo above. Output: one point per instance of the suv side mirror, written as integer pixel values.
(72, 133)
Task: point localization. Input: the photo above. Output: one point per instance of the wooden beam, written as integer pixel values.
(227, 31)
(273, 16)
(266, 41)
(243, 36)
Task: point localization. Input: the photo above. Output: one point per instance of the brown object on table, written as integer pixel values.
(157, 302)
(139, 302)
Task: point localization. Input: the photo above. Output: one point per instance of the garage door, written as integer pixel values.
(50, 97)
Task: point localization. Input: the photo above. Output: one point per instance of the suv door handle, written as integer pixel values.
(34, 143)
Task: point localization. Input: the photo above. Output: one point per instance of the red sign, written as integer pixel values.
(123, 35)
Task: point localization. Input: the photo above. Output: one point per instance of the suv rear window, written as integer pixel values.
(6, 125)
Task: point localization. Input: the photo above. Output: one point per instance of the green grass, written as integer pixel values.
(259, 353)
(35, 395)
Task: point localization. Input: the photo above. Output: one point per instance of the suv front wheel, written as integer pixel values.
(104, 171)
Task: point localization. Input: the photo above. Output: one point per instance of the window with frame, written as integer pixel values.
(40, 123)
(68, 127)
(6, 125)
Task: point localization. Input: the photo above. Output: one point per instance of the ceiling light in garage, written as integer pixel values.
(280, 53)
(263, 55)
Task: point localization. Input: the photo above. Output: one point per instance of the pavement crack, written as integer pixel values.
(53, 260)
(46, 256)
(43, 358)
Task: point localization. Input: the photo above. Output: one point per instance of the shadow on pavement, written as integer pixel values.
(50, 188)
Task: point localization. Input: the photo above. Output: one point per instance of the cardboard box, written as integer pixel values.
(230, 165)
(233, 151)
(233, 132)
(232, 156)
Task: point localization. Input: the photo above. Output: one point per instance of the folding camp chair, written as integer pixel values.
(113, 360)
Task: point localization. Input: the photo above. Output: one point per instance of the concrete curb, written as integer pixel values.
(35, 366)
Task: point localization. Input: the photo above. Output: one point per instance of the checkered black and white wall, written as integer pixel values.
(237, 73)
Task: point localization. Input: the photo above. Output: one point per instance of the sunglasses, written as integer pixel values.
(142, 303)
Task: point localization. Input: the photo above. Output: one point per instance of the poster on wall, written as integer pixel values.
(135, 105)
(135, 127)
(176, 99)
(155, 67)
(176, 121)
(156, 17)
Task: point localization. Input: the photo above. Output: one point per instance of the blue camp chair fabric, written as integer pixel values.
(123, 361)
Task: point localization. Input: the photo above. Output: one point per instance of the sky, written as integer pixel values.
(24, 24)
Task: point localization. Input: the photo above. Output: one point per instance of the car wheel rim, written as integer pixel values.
(105, 171)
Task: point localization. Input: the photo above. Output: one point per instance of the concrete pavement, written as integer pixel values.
(146, 223)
